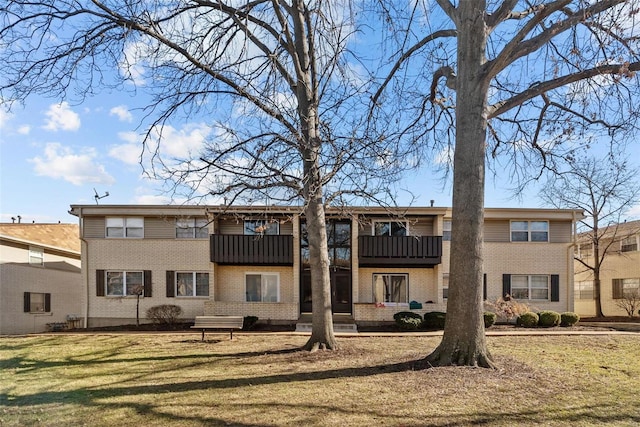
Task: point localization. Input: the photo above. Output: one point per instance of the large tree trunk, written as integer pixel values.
(464, 340)
(322, 336)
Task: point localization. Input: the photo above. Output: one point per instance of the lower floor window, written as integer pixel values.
(391, 288)
(584, 290)
(626, 288)
(262, 287)
(530, 287)
(37, 302)
(121, 283)
(192, 284)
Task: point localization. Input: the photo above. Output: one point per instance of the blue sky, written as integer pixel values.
(55, 154)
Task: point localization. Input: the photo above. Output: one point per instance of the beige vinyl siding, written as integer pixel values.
(421, 227)
(365, 229)
(286, 228)
(559, 231)
(159, 228)
(497, 231)
(230, 226)
(93, 227)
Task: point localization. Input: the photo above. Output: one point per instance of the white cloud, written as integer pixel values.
(129, 152)
(61, 117)
(122, 112)
(634, 212)
(62, 163)
(170, 143)
(24, 130)
(4, 118)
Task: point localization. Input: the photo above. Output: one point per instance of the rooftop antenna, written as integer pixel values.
(97, 197)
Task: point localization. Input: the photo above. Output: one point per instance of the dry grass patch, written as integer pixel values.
(262, 380)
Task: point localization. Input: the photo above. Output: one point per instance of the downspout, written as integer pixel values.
(84, 259)
(570, 262)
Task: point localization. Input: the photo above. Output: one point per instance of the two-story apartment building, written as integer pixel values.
(40, 281)
(227, 260)
(619, 272)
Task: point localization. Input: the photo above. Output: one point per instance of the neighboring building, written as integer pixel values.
(221, 260)
(620, 270)
(40, 280)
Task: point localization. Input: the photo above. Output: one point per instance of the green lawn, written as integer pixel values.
(262, 380)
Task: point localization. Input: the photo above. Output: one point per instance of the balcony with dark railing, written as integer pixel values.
(235, 249)
(399, 251)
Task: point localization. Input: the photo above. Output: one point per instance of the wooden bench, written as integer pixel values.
(218, 322)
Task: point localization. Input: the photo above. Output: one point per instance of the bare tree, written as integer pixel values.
(605, 189)
(630, 302)
(528, 82)
(273, 78)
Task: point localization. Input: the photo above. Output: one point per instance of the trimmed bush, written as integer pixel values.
(548, 319)
(249, 322)
(569, 318)
(528, 320)
(489, 319)
(408, 320)
(434, 320)
(164, 314)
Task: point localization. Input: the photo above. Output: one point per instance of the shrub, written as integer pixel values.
(569, 318)
(408, 320)
(489, 319)
(249, 322)
(507, 308)
(548, 318)
(528, 320)
(165, 313)
(434, 320)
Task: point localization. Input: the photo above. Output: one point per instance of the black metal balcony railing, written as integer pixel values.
(397, 251)
(254, 250)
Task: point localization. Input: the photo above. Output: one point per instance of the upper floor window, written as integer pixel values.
(391, 288)
(125, 227)
(193, 228)
(585, 250)
(262, 287)
(192, 284)
(389, 228)
(629, 244)
(529, 231)
(446, 230)
(36, 256)
(261, 226)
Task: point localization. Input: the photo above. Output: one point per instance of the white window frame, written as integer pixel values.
(36, 256)
(125, 288)
(584, 287)
(390, 223)
(446, 230)
(530, 287)
(268, 225)
(262, 275)
(194, 287)
(529, 230)
(192, 228)
(128, 227)
(629, 244)
(378, 299)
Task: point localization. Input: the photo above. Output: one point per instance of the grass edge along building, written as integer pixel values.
(253, 260)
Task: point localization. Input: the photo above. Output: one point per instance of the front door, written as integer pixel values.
(339, 246)
(340, 292)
